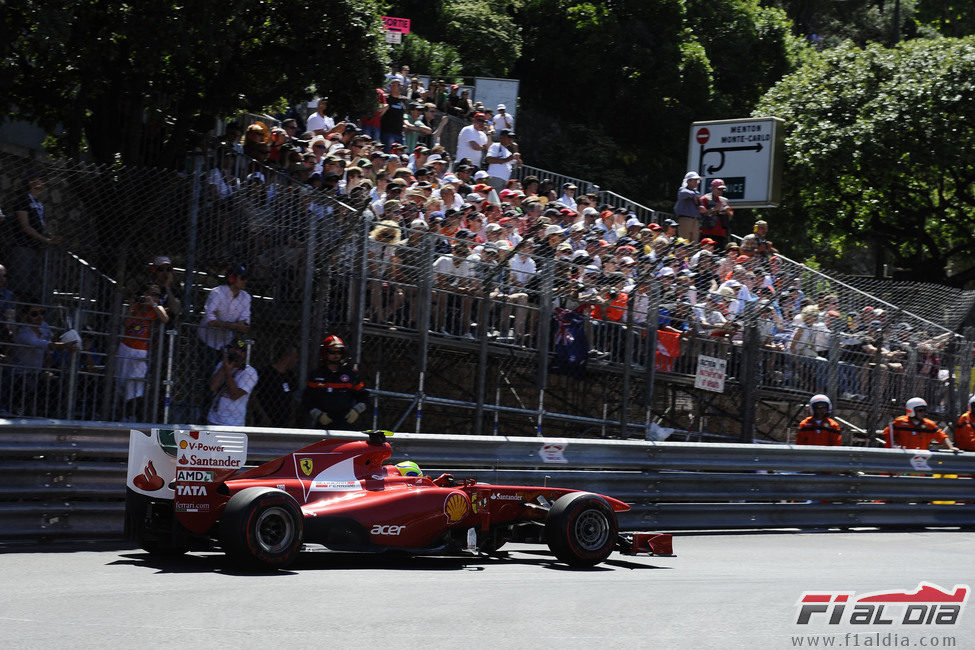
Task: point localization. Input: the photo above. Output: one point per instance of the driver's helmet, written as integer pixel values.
(409, 468)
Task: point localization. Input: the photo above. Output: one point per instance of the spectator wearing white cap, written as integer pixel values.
(162, 276)
(503, 120)
(687, 208)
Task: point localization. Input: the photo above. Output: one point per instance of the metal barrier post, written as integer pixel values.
(157, 347)
(544, 328)
(653, 309)
(360, 307)
(195, 195)
(750, 351)
(308, 293)
(833, 367)
(425, 296)
(964, 381)
(168, 399)
(108, 395)
(628, 345)
(483, 315)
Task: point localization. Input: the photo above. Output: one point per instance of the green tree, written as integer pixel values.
(879, 146)
(427, 57)
(485, 34)
(639, 72)
(113, 74)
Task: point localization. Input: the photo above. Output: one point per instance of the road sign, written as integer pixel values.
(394, 37)
(747, 154)
(392, 24)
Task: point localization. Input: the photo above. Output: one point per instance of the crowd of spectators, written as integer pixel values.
(495, 237)
(458, 213)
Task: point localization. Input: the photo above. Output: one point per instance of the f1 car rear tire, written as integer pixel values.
(262, 527)
(581, 529)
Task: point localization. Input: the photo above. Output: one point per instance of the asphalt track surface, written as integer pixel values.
(720, 591)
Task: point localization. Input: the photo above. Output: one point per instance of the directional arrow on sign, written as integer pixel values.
(722, 151)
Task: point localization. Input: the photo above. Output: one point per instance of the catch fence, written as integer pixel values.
(507, 342)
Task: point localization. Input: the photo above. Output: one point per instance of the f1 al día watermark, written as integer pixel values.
(921, 616)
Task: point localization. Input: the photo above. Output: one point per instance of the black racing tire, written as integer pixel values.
(262, 527)
(581, 529)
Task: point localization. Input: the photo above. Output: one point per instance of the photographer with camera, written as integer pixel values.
(231, 383)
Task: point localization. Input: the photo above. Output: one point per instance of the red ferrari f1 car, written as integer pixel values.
(187, 489)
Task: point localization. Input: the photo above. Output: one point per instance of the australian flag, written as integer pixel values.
(571, 346)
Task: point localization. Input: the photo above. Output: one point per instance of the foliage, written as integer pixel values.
(879, 148)
(640, 71)
(97, 68)
(830, 23)
(484, 33)
(427, 57)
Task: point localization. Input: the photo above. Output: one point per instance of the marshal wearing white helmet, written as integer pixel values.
(914, 431)
(965, 428)
(335, 396)
(819, 428)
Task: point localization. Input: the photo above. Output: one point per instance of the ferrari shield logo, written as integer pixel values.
(306, 465)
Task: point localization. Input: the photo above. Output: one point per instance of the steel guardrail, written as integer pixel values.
(64, 479)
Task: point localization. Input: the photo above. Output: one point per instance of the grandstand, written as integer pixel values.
(461, 358)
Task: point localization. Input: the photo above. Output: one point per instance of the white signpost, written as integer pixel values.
(746, 153)
(710, 373)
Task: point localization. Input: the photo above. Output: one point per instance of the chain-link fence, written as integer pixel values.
(469, 334)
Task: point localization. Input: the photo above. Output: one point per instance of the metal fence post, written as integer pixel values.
(168, 382)
(833, 367)
(157, 347)
(628, 345)
(544, 329)
(653, 311)
(360, 277)
(425, 297)
(308, 296)
(195, 195)
(483, 314)
(750, 351)
(964, 381)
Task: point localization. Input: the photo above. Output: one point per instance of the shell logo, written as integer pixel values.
(456, 506)
(182, 444)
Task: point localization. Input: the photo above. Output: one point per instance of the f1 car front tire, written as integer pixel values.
(262, 527)
(581, 529)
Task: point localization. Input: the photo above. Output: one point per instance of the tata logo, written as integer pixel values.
(379, 529)
(191, 490)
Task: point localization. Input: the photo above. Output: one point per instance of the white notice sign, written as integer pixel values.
(710, 373)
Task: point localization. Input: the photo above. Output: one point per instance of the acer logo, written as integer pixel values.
(379, 529)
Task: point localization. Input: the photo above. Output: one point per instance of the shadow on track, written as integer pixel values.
(215, 562)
